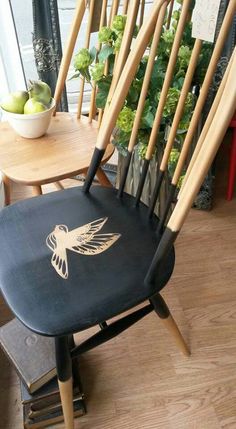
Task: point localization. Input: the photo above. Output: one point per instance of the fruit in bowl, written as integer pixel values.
(15, 102)
(29, 112)
(33, 106)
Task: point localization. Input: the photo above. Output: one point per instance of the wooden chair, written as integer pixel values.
(47, 274)
(66, 149)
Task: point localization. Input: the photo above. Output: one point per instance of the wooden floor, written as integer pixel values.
(139, 380)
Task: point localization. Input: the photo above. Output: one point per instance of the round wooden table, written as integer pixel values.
(64, 151)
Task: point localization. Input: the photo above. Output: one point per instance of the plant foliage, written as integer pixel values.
(92, 64)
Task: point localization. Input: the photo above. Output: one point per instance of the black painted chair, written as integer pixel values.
(74, 259)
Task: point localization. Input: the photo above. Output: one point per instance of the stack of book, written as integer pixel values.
(33, 358)
(44, 406)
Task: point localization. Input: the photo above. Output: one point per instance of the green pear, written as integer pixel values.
(40, 91)
(33, 106)
(15, 102)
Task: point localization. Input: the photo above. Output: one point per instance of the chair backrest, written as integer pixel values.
(90, 16)
(215, 126)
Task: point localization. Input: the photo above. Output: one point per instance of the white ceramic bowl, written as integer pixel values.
(30, 126)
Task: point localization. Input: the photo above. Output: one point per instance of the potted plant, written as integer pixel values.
(97, 69)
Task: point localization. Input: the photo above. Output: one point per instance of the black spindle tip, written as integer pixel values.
(94, 164)
(124, 175)
(164, 216)
(155, 193)
(142, 181)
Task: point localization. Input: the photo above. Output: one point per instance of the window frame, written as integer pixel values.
(11, 67)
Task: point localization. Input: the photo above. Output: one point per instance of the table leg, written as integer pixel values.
(7, 189)
(59, 186)
(102, 178)
(37, 190)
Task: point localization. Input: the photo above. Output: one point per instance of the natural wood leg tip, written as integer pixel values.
(187, 352)
(182, 346)
(174, 330)
(66, 393)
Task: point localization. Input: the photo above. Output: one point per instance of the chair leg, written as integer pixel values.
(59, 186)
(163, 312)
(7, 189)
(102, 178)
(65, 382)
(37, 190)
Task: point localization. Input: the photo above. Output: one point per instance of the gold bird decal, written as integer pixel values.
(83, 240)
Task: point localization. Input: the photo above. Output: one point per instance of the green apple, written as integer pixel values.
(40, 91)
(33, 106)
(15, 102)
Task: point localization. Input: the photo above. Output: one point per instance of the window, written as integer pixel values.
(11, 60)
(11, 70)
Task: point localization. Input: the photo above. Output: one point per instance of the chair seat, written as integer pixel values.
(64, 151)
(107, 259)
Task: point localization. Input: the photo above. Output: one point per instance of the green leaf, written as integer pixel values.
(104, 84)
(103, 90)
(178, 83)
(101, 99)
(147, 116)
(133, 95)
(142, 68)
(105, 52)
(85, 73)
(75, 76)
(158, 76)
(93, 53)
(121, 141)
(111, 63)
(147, 120)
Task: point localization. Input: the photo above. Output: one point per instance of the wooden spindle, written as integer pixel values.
(212, 141)
(208, 150)
(114, 10)
(127, 76)
(125, 47)
(87, 41)
(172, 135)
(141, 15)
(169, 14)
(125, 7)
(204, 90)
(207, 124)
(147, 77)
(180, 106)
(168, 79)
(66, 59)
(94, 89)
(143, 94)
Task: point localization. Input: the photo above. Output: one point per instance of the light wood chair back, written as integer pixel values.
(97, 14)
(210, 137)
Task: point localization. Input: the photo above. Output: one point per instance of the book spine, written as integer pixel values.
(50, 402)
(54, 417)
(50, 409)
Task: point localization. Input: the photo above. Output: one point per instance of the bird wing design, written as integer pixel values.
(59, 262)
(59, 257)
(98, 243)
(85, 241)
(90, 228)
